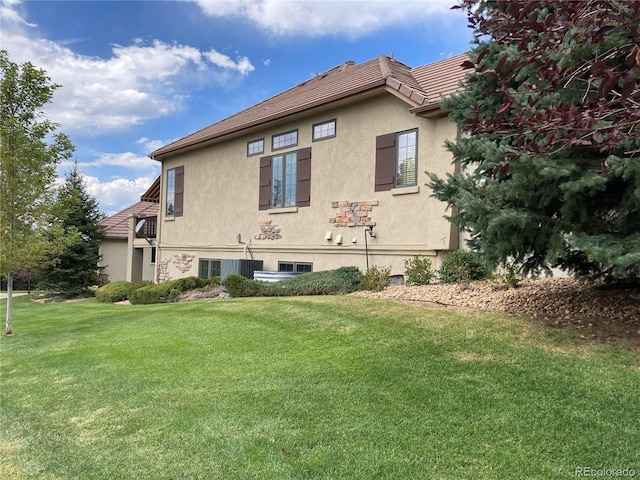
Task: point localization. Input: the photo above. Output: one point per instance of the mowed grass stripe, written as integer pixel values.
(313, 387)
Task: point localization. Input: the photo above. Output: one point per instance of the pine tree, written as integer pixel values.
(73, 267)
(550, 122)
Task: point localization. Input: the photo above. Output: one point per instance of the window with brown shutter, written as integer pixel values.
(264, 194)
(303, 191)
(179, 200)
(285, 180)
(396, 160)
(385, 162)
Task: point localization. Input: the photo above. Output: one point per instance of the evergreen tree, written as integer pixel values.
(29, 152)
(73, 266)
(550, 122)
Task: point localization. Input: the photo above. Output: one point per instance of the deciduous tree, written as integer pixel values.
(30, 149)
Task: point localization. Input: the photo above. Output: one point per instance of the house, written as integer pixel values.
(328, 173)
(128, 250)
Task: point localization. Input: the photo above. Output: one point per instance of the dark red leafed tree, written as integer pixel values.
(550, 115)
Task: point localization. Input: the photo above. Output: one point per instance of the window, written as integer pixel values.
(285, 180)
(175, 191)
(406, 159)
(283, 183)
(298, 267)
(324, 130)
(284, 140)
(208, 268)
(255, 147)
(153, 254)
(396, 160)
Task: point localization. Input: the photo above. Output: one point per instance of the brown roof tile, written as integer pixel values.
(440, 79)
(117, 225)
(343, 81)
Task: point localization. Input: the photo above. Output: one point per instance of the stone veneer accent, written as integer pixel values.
(163, 270)
(268, 231)
(183, 261)
(353, 214)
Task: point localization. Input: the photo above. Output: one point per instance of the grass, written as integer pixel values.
(306, 387)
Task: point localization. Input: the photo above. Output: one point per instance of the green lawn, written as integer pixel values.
(307, 387)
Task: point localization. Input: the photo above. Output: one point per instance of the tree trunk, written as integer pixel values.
(8, 329)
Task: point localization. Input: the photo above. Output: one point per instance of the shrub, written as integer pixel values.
(114, 291)
(326, 282)
(239, 286)
(376, 278)
(459, 266)
(418, 270)
(167, 291)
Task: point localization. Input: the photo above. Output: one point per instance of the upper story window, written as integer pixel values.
(284, 140)
(175, 192)
(324, 130)
(396, 160)
(285, 180)
(255, 147)
(284, 174)
(406, 160)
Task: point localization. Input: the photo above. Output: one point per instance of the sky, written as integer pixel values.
(136, 75)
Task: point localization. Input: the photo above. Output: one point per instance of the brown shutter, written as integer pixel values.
(264, 192)
(385, 162)
(303, 187)
(179, 198)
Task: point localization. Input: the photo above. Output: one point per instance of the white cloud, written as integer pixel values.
(354, 18)
(137, 83)
(150, 145)
(127, 160)
(117, 194)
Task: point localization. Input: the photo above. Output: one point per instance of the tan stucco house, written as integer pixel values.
(328, 173)
(128, 248)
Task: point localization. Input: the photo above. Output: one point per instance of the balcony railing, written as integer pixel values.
(147, 227)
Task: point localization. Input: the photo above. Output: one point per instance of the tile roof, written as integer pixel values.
(420, 87)
(440, 79)
(117, 225)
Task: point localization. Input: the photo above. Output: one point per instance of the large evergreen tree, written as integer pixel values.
(73, 266)
(550, 122)
(29, 152)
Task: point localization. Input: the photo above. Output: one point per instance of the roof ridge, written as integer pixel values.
(385, 67)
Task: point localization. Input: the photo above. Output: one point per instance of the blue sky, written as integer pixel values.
(137, 75)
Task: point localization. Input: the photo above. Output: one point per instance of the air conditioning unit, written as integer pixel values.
(239, 266)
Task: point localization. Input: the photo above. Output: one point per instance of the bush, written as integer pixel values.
(418, 270)
(376, 278)
(459, 266)
(326, 282)
(239, 286)
(165, 292)
(114, 292)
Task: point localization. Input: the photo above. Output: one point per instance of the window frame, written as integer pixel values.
(174, 192)
(295, 266)
(415, 159)
(315, 138)
(284, 145)
(210, 269)
(286, 182)
(252, 142)
(303, 181)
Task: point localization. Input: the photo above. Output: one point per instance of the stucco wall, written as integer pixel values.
(221, 197)
(114, 259)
